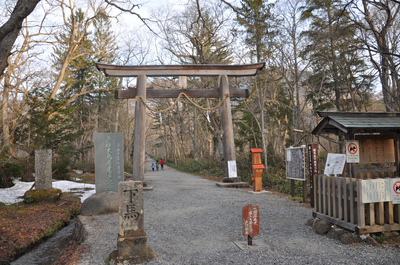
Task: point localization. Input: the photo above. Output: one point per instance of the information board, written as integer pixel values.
(251, 218)
(375, 190)
(296, 163)
(335, 164)
(376, 149)
(232, 172)
(380, 190)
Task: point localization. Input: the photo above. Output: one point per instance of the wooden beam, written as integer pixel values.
(180, 70)
(139, 145)
(174, 93)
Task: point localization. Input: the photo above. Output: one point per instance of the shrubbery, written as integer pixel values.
(9, 171)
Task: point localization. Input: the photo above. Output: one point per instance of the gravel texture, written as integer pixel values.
(189, 220)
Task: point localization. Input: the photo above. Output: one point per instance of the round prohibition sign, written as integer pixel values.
(396, 187)
(352, 148)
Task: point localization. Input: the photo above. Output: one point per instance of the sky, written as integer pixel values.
(12, 195)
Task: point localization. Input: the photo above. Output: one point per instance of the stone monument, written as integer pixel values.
(109, 161)
(43, 170)
(132, 239)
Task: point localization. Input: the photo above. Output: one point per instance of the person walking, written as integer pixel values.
(162, 164)
(152, 166)
(157, 164)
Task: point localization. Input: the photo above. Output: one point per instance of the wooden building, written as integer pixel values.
(345, 200)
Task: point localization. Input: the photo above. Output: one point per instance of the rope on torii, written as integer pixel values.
(137, 98)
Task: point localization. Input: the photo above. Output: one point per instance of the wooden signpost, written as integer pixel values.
(141, 93)
(251, 224)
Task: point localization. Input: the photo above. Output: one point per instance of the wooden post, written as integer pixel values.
(140, 127)
(227, 127)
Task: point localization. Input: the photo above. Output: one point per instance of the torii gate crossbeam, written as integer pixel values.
(144, 71)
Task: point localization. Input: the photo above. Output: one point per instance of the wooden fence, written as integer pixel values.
(337, 200)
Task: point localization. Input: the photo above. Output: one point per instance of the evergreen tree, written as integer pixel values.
(339, 78)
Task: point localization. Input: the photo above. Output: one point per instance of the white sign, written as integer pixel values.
(375, 190)
(395, 190)
(352, 151)
(232, 169)
(296, 163)
(335, 164)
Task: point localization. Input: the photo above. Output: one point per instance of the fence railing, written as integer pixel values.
(338, 200)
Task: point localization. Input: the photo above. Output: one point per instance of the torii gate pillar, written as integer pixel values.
(139, 147)
(227, 127)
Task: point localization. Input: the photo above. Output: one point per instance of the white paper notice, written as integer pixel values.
(232, 169)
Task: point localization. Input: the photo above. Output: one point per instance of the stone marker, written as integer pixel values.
(132, 239)
(43, 169)
(109, 160)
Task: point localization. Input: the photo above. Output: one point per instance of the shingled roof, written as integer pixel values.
(358, 122)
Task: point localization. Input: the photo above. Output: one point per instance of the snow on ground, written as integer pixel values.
(13, 194)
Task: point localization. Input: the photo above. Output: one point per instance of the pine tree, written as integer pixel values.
(339, 78)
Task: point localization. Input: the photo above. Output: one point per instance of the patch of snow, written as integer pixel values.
(13, 194)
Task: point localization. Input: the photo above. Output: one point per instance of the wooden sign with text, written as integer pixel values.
(251, 217)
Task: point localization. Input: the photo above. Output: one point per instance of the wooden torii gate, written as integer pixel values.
(182, 71)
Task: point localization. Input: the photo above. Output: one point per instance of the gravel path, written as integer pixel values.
(189, 220)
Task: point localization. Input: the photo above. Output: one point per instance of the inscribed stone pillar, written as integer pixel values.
(43, 169)
(227, 130)
(132, 240)
(109, 160)
(140, 128)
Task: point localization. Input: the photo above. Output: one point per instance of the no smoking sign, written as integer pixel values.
(396, 187)
(352, 151)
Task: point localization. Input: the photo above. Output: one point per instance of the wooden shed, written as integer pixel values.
(340, 199)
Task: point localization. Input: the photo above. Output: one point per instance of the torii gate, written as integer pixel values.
(183, 71)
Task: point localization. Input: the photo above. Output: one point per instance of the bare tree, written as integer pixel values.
(380, 26)
(10, 30)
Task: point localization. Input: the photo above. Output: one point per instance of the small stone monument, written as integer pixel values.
(109, 160)
(43, 170)
(132, 239)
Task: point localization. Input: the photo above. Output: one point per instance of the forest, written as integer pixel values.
(320, 55)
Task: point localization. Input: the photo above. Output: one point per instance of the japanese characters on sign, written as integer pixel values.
(251, 217)
(380, 190)
(295, 163)
(131, 214)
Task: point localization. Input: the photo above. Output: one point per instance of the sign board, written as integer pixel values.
(375, 190)
(313, 163)
(232, 169)
(376, 149)
(335, 164)
(296, 163)
(251, 218)
(109, 160)
(395, 190)
(380, 190)
(352, 151)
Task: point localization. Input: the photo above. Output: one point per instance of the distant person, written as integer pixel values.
(152, 166)
(157, 164)
(162, 164)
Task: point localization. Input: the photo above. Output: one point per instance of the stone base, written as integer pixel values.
(259, 192)
(229, 180)
(114, 259)
(232, 185)
(133, 249)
